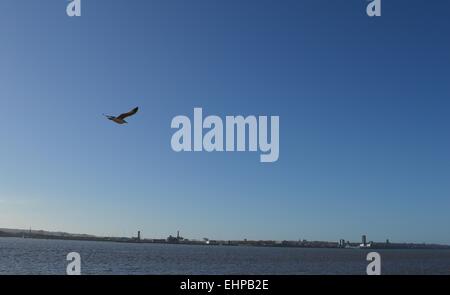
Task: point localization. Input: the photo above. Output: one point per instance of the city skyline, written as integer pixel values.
(363, 107)
(364, 242)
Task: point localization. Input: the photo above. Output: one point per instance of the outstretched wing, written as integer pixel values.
(109, 117)
(130, 113)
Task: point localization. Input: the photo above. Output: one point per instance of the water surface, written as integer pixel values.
(31, 256)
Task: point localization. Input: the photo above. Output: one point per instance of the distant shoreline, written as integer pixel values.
(44, 235)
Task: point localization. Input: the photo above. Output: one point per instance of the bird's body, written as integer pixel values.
(121, 118)
(117, 120)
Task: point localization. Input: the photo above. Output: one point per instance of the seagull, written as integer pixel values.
(121, 118)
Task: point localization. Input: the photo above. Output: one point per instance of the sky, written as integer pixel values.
(363, 105)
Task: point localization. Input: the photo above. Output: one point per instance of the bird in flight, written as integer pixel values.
(121, 118)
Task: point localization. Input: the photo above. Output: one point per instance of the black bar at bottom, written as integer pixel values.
(228, 284)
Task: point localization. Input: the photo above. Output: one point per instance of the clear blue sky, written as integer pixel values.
(363, 104)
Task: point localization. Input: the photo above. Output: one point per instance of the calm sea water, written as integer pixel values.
(29, 256)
